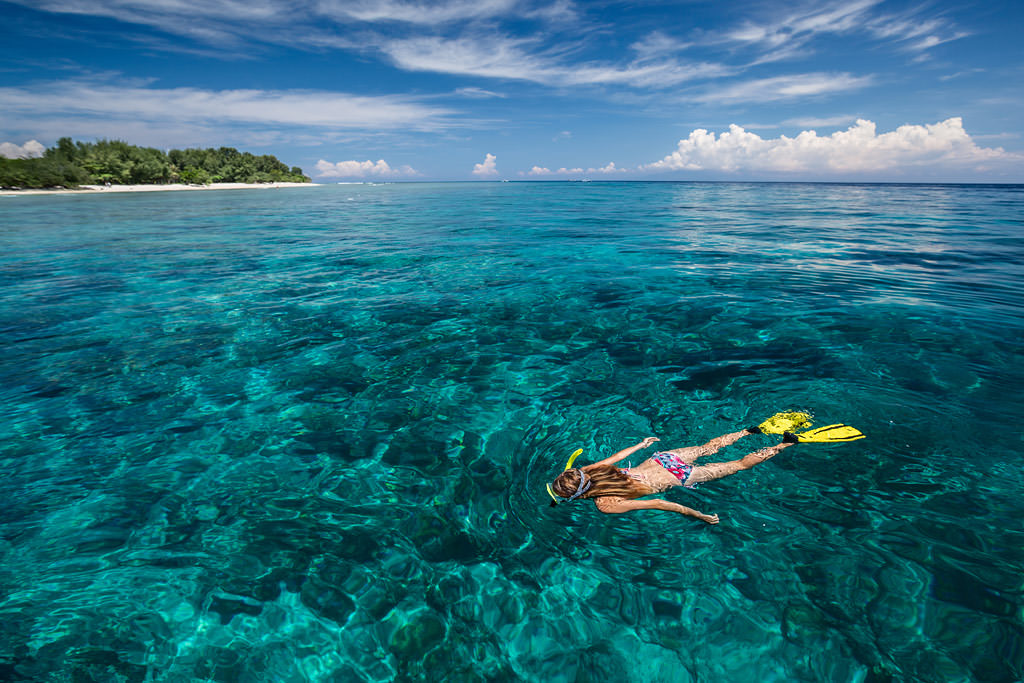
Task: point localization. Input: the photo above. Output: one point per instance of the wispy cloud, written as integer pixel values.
(791, 36)
(859, 149)
(658, 44)
(784, 88)
(485, 38)
(463, 37)
(534, 41)
(479, 93)
(913, 32)
(227, 22)
(813, 121)
(218, 22)
(494, 56)
(799, 25)
(158, 12)
(91, 99)
(362, 169)
(423, 13)
(788, 37)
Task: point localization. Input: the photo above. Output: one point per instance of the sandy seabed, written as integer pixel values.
(101, 189)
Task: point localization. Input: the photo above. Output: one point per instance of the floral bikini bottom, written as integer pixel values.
(672, 463)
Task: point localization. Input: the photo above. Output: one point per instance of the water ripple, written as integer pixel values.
(249, 438)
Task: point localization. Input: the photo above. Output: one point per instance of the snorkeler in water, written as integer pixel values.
(616, 490)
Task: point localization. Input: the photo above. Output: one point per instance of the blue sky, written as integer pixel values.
(859, 90)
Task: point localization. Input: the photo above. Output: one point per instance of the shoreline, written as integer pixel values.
(174, 187)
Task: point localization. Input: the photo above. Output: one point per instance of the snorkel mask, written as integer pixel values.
(584, 486)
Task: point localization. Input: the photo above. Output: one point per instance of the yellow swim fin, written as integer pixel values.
(785, 422)
(831, 434)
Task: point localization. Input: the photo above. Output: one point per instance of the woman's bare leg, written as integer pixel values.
(717, 470)
(693, 453)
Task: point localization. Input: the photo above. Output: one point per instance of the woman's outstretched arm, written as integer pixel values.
(626, 452)
(618, 506)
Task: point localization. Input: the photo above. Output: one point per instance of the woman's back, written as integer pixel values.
(652, 475)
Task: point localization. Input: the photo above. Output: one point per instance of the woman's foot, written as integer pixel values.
(790, 437)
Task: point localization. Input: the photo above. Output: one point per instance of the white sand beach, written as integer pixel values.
(113, 189)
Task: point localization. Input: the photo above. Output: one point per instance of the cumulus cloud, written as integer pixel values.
(30, 150)
(609, 168)
(488, 168)
(858, 149)
(361, 169)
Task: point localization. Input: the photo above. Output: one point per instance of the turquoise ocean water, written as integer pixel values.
(303, 434)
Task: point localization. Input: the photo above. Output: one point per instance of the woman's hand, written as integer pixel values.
(648, 441)
(710, 519)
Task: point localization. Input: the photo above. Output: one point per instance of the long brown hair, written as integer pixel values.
(606, 481)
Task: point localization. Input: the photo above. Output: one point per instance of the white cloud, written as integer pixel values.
(478, 93)
(858, 149)
(418, 44)
(785, 88)
(511, 58)
(609, 168)
(813, 121)
(425, 13)
(914, 32)
(131, 103)
(230, 16)
(230, 25)
(478, 51)
(219, 22)
(488, 168)
(658, 44)
(361, 169)
(30, 150)
(796, 29)
(791, 35)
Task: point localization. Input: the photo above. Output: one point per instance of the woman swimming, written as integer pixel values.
(614, 489)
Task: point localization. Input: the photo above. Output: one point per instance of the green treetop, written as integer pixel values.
(69, 164)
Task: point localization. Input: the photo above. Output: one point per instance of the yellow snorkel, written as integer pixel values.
(568, 466)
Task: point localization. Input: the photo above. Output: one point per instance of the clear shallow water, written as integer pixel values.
(303, 434)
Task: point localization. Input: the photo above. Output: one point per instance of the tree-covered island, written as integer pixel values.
(70, 164)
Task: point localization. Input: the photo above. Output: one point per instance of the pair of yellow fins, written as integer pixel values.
(790, 422)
